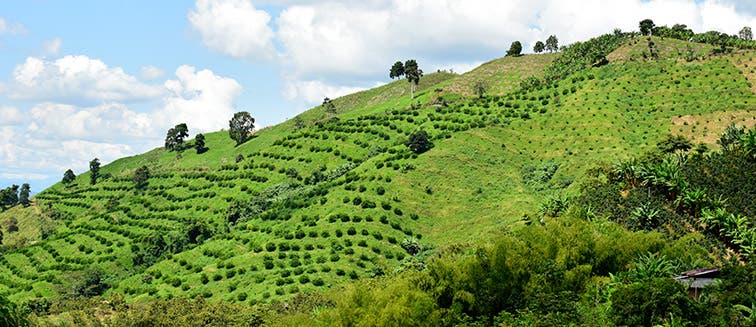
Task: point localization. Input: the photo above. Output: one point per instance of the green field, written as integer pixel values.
(340, 195)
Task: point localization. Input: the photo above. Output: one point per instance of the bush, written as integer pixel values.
(419, 142)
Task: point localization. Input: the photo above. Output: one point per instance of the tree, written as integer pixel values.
(552, 43)
(68, 177)
(419, 142)
(89, 282)
(480, 88)
(413, 73)
(299, 123)
(241, 126)
(397, 70)
(328, 106)
(141, 175)
(515, 49)
(539, 47)
(646, 27)
(746, 33)
(175, 137)
(23, 195)
(94, 169)
(8, 197)
(199, 143)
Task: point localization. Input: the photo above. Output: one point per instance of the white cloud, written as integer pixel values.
(234, 27)
(10, 115)
(111, 121)
(49, 137)
(11, 28)
(76, 79)
(201, 99)
(23, 176)
(150, 73)
(52, 47)
(313, 92)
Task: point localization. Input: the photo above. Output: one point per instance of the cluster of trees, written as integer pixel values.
(12, 196)
(410, 70)
(743, 40)
(676, 187)
(551, 45)
(174, 139)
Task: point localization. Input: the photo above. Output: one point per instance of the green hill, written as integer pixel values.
(300, 208)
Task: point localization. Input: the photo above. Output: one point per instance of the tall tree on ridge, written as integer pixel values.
(413, 73)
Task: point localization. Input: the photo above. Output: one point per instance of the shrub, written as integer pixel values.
(419, 142)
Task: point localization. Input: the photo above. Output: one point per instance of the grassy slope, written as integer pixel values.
(500, 76)
(465, 188)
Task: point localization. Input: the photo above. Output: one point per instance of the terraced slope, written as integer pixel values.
(297, 209)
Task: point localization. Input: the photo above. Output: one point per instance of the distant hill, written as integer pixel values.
(341, 197)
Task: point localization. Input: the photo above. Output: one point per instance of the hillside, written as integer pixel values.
(301, 208)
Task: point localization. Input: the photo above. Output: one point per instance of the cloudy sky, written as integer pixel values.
(106, 79)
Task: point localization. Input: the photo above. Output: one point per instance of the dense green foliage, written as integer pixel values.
(419, 142)
(94, 171)
(539, 47)
(412, 73)
(68, 177)
(174, 138)
(552, 43)
(397, 70)
(8, 197)
(240, 127)
(515, 49)
(199, 143)
(646, 26)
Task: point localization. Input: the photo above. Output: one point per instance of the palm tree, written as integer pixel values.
(628, 172)
(646, 216)
(748, 313)
(692, 201)
(651, 266)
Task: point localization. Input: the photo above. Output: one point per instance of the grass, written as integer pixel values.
(469, 186)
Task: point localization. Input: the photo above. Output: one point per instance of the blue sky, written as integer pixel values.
(106, 79)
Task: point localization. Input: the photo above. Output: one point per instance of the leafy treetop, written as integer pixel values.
(515, 49)
(646, 27)
(413, 73)
(552, 43)
(175, 137)
(746, 33)
(397, 70)
(241, 126)
(94, 169)
(539, 47)
(68, 177)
